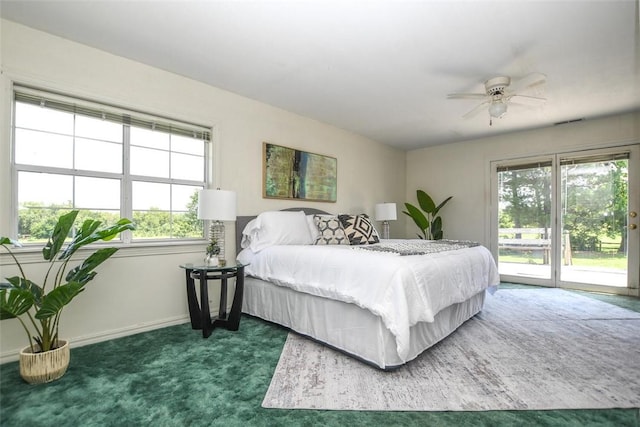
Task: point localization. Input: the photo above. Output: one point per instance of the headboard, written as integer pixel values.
(242, 221)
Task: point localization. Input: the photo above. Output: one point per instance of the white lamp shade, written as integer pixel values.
(218, 205)
(386, 212)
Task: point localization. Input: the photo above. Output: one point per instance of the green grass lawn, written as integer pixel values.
(606, 257)
(581, 259)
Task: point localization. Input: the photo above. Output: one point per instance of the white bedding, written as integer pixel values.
(402, 290)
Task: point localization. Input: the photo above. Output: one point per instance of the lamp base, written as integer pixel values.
(216, 233)
(385, 229)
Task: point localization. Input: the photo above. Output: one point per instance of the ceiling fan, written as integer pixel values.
(499, 94)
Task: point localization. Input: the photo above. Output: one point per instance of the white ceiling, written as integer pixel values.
(382, 69)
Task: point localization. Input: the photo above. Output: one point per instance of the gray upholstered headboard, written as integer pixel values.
(242, 221)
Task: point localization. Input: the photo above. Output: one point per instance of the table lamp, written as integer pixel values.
(216, 206)
(386, 212)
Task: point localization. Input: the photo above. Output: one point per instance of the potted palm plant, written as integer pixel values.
(38, 305)
(429, 223)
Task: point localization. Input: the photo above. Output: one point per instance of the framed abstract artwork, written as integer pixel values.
(294, 174)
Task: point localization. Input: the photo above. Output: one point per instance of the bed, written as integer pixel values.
(383, 302)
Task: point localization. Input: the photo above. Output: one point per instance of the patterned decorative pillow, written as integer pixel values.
(359, 229)
(330, 230)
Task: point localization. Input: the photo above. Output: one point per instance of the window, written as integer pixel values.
(106, 162)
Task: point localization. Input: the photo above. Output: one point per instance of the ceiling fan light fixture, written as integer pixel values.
(497, 109)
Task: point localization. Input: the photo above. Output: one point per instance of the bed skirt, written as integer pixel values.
(347, 327)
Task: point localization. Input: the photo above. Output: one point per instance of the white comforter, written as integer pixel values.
(402, 290)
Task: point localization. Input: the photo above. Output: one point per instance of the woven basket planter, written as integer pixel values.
(39, 368)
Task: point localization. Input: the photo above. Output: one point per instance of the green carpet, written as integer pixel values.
(173, 377)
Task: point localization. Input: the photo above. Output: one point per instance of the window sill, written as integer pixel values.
(33, 253)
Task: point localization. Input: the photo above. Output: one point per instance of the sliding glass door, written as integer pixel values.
(524, 219)
(594, 217)
(592, 197)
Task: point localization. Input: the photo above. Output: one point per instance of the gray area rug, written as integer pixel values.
(527, 349)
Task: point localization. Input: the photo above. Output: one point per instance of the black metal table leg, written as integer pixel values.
(236, 307)
(192, 301)
(204, 306)
(222, 310)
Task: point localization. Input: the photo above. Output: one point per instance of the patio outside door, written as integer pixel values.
(524, 218)
(593, 197)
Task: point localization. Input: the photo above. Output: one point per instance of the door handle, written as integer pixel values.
(632, 226)
(633, 214)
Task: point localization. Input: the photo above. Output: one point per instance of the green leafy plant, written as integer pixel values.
(429, 223)
(212, 247)
(39, 307)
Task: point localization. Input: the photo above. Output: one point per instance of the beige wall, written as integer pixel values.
(462, 169)
(143, 288)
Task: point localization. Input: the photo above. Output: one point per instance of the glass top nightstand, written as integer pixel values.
(203, 267)
(199, 312)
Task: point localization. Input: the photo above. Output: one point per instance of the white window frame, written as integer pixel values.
(138, 118)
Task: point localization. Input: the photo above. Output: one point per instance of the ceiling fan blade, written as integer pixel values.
(529, 81)
(476, 110)
(466, 96)
(527, 99)
(521, 105)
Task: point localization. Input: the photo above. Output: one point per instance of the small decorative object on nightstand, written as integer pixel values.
(217, 206)
(213, 250)
(386, 212)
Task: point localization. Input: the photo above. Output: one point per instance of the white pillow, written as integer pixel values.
(313, 230)
(279, 228)
(248, 234)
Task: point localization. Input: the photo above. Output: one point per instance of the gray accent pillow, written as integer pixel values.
(330, 231)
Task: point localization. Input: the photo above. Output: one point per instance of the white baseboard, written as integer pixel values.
(13, 355)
